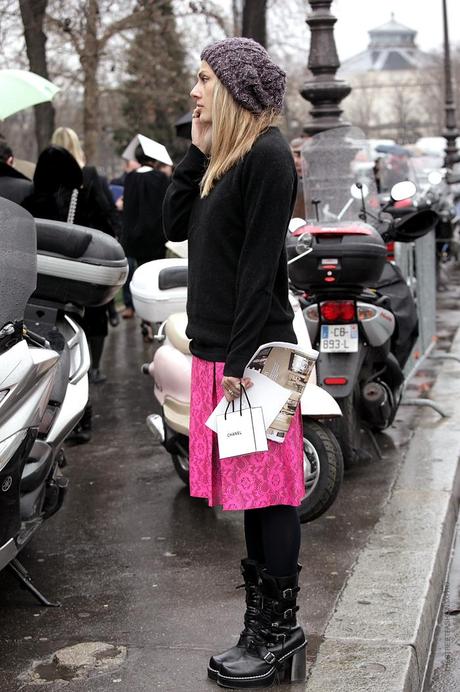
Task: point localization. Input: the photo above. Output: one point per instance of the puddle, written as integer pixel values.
(76, 662)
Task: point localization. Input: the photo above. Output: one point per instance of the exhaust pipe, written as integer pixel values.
(377, 400)
(156, 426)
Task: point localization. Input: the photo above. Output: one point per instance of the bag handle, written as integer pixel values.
(242, 389)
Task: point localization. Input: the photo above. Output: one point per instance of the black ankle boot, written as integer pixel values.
(250, 570)
(277, 651)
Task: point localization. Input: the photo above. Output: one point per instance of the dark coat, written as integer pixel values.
(57, 174)
(143, 196)
(13, 184)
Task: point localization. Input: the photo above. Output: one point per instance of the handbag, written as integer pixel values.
(242, 431)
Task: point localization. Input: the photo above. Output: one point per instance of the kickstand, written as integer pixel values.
(374, 442)
(24, 577)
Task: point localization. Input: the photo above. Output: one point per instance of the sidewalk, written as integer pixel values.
(380, 634)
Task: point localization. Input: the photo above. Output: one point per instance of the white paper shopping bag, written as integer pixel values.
(241, 431)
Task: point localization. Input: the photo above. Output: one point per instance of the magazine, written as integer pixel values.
(279, 372)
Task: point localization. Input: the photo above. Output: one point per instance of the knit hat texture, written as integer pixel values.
(247, 71)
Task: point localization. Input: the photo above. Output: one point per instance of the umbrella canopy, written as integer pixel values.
(395, 149)
(20, 89)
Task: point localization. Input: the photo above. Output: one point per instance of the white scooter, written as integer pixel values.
(159, 294)
(44, 361)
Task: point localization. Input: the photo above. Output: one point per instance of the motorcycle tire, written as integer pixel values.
(323, 468)
(180, 459)
(347, 431)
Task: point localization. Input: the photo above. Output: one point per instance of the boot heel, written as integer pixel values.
(297, 671)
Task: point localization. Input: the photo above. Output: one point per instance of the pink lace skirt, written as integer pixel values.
(262, 479)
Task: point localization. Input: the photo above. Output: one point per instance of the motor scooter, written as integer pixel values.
(159, 288)
(359, 311)
(44, 361)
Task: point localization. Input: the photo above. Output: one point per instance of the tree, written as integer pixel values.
(90, 26)
(157, 90)
(255, 20)
(33, 15)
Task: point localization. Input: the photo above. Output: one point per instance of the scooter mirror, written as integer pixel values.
(304, 244)
(359, 192)
(295, 224)
(435, 177)
(404, 190)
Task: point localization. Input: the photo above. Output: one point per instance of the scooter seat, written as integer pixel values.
(175, 332)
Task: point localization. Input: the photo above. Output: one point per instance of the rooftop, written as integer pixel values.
(391, 47)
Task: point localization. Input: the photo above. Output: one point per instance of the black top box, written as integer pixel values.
(77, 265)
(344, 255)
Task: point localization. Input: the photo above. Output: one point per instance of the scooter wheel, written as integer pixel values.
(323, 468)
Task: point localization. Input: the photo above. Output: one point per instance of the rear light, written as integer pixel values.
(311, 313)
(366, 312)
(335, 380)
(338, 311)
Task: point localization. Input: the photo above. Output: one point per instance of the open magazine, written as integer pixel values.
(279, 372)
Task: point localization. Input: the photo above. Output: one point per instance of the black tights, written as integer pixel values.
(273, 538)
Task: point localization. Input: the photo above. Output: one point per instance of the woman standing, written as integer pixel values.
(232, 197)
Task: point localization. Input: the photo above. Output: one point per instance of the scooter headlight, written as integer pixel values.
(9, 446)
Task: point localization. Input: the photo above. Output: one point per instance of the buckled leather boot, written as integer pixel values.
(277, 652)
(250, 570)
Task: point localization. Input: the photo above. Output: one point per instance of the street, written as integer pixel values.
(150, 573)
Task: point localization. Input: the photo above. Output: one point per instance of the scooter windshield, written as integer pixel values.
(332, 162)
(18, 261)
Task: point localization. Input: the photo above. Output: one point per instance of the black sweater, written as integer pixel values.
(238, 279)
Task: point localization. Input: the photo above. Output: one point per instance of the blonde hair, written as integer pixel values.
(234, 131)
(68, 139)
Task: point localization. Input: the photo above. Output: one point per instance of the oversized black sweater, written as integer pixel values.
(238, 280)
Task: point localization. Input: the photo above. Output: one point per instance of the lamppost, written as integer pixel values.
(324, 91)
(451, 132)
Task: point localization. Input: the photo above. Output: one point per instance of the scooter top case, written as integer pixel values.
(77, 265)
(159, 288)
(18, 261)
(344, 255)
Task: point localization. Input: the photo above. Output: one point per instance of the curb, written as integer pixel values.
(380, 634)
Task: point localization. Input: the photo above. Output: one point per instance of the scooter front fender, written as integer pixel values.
(317, 402)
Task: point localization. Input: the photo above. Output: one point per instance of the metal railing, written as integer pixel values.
(417, 262)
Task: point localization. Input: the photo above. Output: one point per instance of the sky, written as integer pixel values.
(356, 17)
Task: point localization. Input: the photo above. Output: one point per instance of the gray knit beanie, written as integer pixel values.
(247, 71)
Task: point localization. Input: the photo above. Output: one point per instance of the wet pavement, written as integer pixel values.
(150, 573)
(445, 667)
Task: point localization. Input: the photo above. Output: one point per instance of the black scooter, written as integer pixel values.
(358, 308)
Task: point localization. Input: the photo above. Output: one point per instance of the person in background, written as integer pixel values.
(232, 197)
(143, 238)
(117, 187)
(13, 184)
(296, 149)
(128, 166)
(96, 207)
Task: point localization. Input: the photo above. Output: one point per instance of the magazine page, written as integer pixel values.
(267, 394)
(279, 372)
(290, 367)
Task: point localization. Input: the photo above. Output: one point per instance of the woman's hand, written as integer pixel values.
(231, 386)
(201, 133)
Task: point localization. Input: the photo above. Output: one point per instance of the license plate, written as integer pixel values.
(339, 338)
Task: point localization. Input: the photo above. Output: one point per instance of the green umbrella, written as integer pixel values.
(20, 89)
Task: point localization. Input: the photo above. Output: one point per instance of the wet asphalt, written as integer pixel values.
(137, 563)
